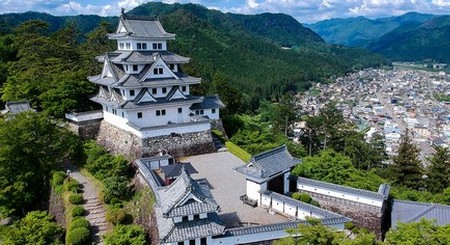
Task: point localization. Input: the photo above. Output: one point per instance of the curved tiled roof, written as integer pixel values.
(410, 211)
(140, 26)
(269, 163)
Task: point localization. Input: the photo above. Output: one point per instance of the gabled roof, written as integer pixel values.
(187, 197)
(268, 164)
(147, 57)
(209, 102)
(409, 211)
(16, 107)
(174, 170)
(140, 26)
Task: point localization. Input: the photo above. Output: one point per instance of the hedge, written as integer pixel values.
(78, 236)
(76, 198)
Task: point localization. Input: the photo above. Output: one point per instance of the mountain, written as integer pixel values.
(249, 57)
(85, 23)
(361, 31)
(416, 42)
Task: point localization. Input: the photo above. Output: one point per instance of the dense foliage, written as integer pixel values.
(31, 146)
(126, 235)
(424, 232)
(37, 227)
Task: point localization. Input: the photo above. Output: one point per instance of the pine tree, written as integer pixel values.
(439, 170)
(407, 169)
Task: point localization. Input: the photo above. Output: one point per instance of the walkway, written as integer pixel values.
(93, 206)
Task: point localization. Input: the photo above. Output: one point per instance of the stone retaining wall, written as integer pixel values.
(118, 141)
(86, 131)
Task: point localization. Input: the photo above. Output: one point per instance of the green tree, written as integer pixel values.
(439, 170)
(36, 228)
(377, 152)
(230, 96)
(31, 146)
(314, 232)
(407, 169)
(126, 235)
(285, 114)
(424, 232)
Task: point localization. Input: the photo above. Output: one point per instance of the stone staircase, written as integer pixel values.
(94, 208)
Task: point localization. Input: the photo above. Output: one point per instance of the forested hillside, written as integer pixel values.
(416, 42)
(230, 47)
(360, 31)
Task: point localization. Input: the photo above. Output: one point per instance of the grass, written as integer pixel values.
(233, 148)
(141, 204)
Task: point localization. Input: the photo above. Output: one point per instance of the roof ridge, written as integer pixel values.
(343, 186)
(427, 210)
(264, 153)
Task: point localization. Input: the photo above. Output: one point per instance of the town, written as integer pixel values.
(390, 102)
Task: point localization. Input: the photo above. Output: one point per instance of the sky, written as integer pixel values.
(305, 11)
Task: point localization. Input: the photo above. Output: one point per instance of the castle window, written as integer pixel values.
(180, 243)
(135, 67)
(132, 92)
(180, 110)
(213, 111)
(164, 90)
(121, 46)
(139, 115)
(123, 115)
(128, 45)
(144, 46)
(203, 241)
(163, 112)
(114, 111)
(196, 216)
(155, 46)
(154, 91)
(172, 66)
(158, 71)
(202, 112)
(139, 45)
(183, 88)
(158, 113)
(192, 242)
(185, 218)
(159, 45)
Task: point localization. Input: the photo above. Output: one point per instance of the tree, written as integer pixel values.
(36, 228)
(230, 96)
(286, 113)
(126, 235)
(439, 170)
(424, 232)
(377, 151)
(30, 147)
(314, 232)
(407, 169)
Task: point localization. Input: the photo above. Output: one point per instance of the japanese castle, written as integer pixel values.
(142, 87)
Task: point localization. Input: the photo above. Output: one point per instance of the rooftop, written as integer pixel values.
(262, 166)
(16, 107)
(139, 26)
(409, 211)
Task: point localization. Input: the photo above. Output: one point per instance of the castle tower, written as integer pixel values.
(142, 87)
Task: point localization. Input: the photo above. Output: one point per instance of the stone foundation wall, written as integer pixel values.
(118, 141)
(87, 130)
(179, 145)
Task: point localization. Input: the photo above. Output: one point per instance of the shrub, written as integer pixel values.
(116, 216)
(58, 178)
(79, 223)
(349, 226)
(72, 185)
(77, 211)
(76, 198)
(78, 236)
(305, 198)
(296, 195)
(115, 187)
(315, 203)
(126, 234)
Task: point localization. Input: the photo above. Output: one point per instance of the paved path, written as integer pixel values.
(93, 206)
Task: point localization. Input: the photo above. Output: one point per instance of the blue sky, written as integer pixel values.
(305, 11)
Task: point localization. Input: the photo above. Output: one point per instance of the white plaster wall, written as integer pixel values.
(347, 196)
(290, 210)
(302, 214)
(133, 44)
(265, 201)
(208, 112)
(277, 205)
(149, 118)
(253, 190)
(182, 129)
